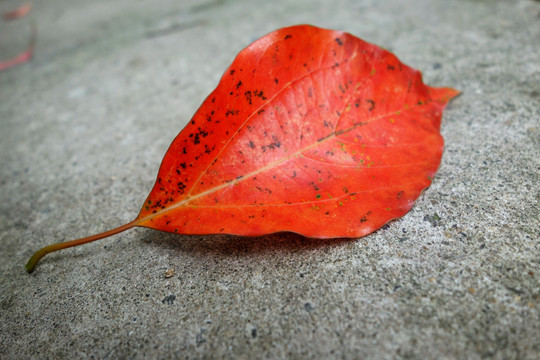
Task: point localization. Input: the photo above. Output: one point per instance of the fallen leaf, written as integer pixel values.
(17, 13)
(25, 56)
(19, 59)
(310, 131)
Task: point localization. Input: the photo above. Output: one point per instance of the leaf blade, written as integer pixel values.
(315, 111)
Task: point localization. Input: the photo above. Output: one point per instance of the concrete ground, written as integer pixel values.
(85, 124)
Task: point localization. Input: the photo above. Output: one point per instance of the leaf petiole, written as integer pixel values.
(31, 264)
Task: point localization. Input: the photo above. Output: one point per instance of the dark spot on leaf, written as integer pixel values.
(276, 143)
(197, 138)
(248, 96)
(181, 186)
(364, 218)
(339, 41)
(260, 94)
(371, 104)
(288, 36)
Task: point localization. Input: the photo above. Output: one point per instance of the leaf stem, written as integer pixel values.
(64, 245)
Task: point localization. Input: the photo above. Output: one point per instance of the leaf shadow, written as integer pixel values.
(220, 246)
(239, 246)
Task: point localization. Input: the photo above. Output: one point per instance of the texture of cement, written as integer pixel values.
(84, 126)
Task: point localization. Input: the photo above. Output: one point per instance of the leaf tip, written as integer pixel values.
(444, 94)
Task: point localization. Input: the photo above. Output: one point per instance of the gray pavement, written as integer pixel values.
(85, 124)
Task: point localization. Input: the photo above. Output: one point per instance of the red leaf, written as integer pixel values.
(18, 13)
(24, 56)
(310, 130)
(19, 59)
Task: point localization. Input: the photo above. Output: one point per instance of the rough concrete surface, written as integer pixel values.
(84, 126)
